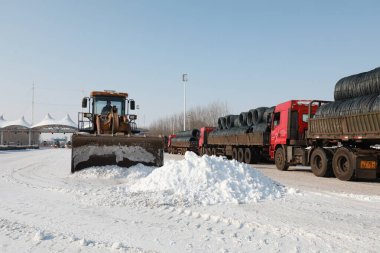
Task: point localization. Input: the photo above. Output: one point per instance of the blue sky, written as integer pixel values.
(245, 53)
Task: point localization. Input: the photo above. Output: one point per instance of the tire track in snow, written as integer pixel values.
(34, 236)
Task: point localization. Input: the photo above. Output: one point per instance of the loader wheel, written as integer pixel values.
(234, 154)
(280, 160)
(241, 155)
(321, 163)
(343, 164)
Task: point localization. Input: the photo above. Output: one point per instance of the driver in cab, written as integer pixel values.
(107, 108)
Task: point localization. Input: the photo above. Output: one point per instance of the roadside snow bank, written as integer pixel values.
(208, 180)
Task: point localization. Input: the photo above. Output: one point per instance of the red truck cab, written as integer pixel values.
(204, 131)
(170, 141)
(288, 127)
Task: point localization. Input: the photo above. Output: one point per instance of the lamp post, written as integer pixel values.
(184, 80)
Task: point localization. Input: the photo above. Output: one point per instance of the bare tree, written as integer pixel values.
(198, 117)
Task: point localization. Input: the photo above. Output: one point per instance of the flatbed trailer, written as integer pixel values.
(341, 146)
(244, 147)
(353, 145)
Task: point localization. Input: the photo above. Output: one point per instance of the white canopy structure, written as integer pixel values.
(20, 123)
(47, 125)
(67, 121)
(48, 120)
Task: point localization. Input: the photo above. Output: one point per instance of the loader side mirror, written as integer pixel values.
(84, 103)
(132, 104)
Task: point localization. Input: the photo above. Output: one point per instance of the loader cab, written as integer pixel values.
(102, 102)
(97, 101)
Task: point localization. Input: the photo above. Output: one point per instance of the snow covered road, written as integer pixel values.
(44, 208)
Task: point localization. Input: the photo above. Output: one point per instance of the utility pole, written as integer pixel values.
(33, 103)
(184, 80)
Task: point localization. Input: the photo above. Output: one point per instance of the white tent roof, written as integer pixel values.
(17, 123)
(49, 121)
(67, 121)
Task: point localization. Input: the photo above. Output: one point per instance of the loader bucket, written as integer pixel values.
(121, 150)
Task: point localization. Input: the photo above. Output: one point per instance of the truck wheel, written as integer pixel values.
(72, 166)
(321, 163)
(343, 165)
(241, 155)
(279, 158)
(213, 150)
(234, 154)
(248, 156)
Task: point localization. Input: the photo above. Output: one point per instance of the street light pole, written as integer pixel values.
(184, 80)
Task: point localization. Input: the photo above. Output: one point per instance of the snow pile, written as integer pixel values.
(208, 180)
(115, 172)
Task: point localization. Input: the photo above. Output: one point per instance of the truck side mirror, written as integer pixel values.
(84, 103)
(132, 104)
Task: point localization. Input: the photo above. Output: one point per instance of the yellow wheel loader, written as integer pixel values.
(108, 135)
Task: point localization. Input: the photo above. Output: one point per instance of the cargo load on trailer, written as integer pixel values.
(183, 141)
(242, 137)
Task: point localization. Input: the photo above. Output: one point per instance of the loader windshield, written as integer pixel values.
(102, 105)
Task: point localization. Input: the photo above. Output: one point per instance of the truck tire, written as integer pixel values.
(248, 156)
(235, 154)
(343, 164)
(280, 159)
(213, 151)
(321, 163)
(241, 155)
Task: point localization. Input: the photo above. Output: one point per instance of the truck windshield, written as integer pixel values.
(104, 105)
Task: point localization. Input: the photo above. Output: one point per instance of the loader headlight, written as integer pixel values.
(132, 117)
